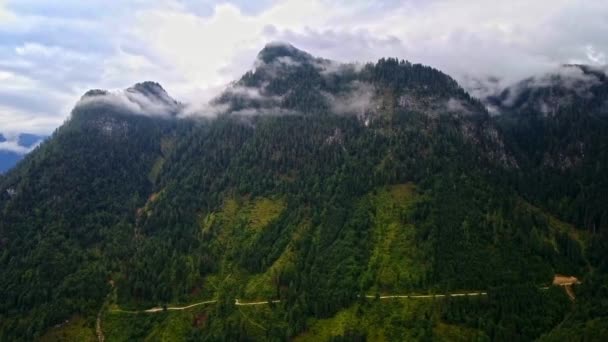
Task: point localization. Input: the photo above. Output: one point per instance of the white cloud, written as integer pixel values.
(5, 15)
(13, 146)
(455, 105)
(596, 57)
(198, 48)
(246, 92)
(13, 121)
(357, 100)
(11, 80)
(569, 77)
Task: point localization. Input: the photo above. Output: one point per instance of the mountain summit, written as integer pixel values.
(288, 80)
(145, 98)
(279, 50)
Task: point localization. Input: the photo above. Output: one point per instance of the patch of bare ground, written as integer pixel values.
(566, 282)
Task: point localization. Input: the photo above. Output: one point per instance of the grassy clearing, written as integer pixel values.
(77, 329)
(455, 333)
(557, 225)
(263, 211)
(239, 222)
(397, 262)
(182, 325)
(261, 285)
(396, 320)
(563, 238)
(162, 326)
(156, 169)
(167, 145)
(235, 227)
(256, 214)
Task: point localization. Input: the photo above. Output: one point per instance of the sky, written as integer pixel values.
(51, 52)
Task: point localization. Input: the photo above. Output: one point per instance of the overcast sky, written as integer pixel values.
(51, 52)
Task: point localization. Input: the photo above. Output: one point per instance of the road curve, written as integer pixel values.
(169, 308)
(158, 308)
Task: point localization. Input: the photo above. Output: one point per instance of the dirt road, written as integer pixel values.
(559, 280)
(170, 308)
(458, 294)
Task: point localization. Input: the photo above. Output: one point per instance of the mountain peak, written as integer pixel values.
(149, 88)
(93, 93)
(276, 50)
(145, 98)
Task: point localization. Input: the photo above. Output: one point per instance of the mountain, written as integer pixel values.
(11, 151)
(146, 98)
(286, 79)
(557, 123)
(317, 193)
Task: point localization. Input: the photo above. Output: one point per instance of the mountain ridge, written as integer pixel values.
(414, 189)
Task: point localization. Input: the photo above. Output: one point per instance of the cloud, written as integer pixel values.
(14, 121)
(204, 110)
(10, 143)
(237, 99)
(55, 51)
(286, 61)
(596, 57)
(211, 110)
(270, 111)
(454, 105)
(250, 93)
(570, 77)
(13, 146)
(468, 39)
(330, 67)
(358, 99)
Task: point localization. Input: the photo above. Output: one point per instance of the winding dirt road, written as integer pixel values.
(169, 308)
(559, 280)
(98, 331)
(237, 302)
(158, 308)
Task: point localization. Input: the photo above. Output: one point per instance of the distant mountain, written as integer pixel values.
(557, 126)
(308, 201)
(568, 87)
(13, 151)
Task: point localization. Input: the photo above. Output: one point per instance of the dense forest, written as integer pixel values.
(317, 189)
